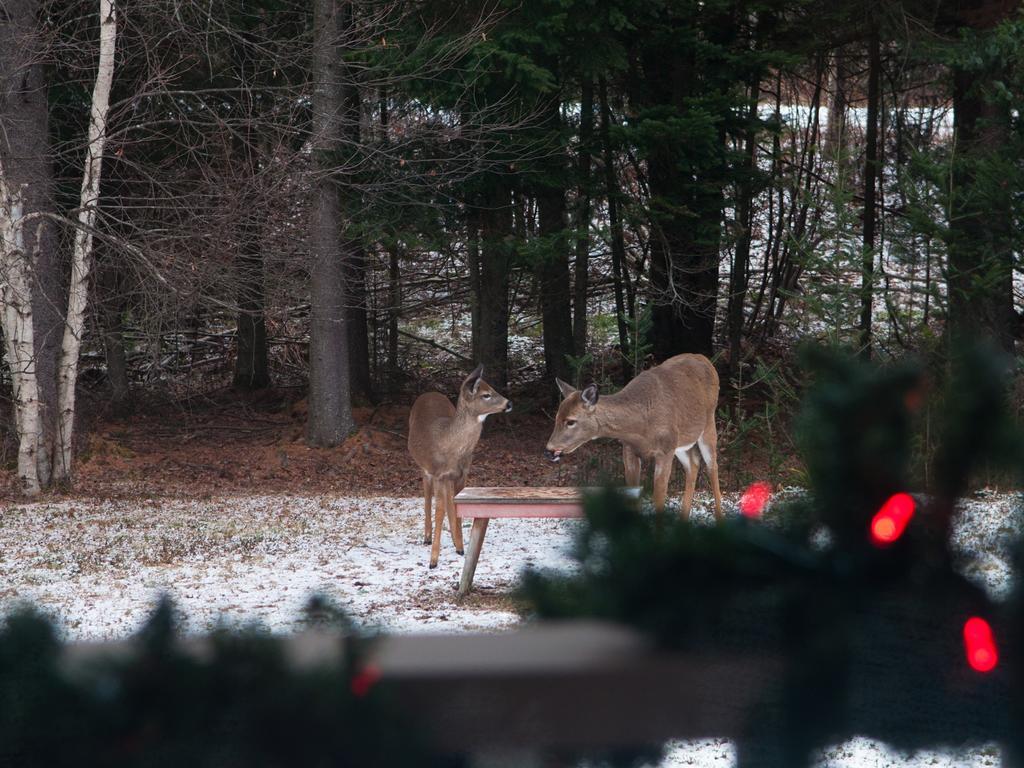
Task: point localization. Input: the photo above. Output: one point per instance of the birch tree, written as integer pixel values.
(81, 256)
(28, 269)
(19, 342)
(16, 285)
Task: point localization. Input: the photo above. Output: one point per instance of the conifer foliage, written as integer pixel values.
(240, 704)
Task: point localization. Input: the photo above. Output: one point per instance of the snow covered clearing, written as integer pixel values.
(98, 566)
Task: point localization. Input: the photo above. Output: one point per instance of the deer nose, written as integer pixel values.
(552, 455)
(508, 406)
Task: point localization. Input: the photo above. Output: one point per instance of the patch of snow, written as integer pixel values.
(98, 568)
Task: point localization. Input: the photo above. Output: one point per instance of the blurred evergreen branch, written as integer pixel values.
(870, 637)
(239, 703)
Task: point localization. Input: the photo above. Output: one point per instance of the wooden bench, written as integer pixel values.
(482, 504)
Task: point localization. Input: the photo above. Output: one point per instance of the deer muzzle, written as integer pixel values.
(555, 456)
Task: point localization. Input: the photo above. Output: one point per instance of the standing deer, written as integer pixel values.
(665, 412)
(441, 440)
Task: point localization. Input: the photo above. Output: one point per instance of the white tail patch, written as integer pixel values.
(705, 450)
(683, 455)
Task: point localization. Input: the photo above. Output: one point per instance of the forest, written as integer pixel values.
(348, 202)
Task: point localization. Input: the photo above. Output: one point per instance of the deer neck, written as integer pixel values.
(465, 428)
(622, 419)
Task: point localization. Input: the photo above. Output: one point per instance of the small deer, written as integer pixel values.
(441, 440)
(665, 412)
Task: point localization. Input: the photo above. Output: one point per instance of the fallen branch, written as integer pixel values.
(435, 345)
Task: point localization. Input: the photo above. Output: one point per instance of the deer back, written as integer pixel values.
(691, 386)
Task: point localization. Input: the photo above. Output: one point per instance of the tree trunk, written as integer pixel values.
(495, 263)
(394, 311)
(684, 248)
(835, 131)
(330, 408)
(111, 305)
(473, 266)
(738, 277)
(581, 266)
(980, 281)
(357, 322)
(251, 366)
(981, 237)
(355, 275)
(867, 293)
(615, 225)
(81, 255)
(552, 267)
(27, 165)
(16, 306)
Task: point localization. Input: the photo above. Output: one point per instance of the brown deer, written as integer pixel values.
(664, 413)
(441, 440)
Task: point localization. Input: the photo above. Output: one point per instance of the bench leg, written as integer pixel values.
(476, 542)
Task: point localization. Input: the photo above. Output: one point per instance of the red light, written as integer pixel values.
(754, 499)
(891, 520)
(979, 645)
(364, 680)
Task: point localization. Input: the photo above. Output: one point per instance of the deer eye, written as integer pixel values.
(570, 422)
(486, 395)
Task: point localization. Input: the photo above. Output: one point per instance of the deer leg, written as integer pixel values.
(708, 445)
(453, 521)
(662, 474)
(454, 524)
(691, 464)
(443, 494)
(631, 465)
(428, 495)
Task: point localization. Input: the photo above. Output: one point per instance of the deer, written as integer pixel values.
(664, 413)
(441, 440)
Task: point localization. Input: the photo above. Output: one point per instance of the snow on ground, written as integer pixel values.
(99, 566)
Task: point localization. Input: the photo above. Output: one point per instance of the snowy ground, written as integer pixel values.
(98, 567)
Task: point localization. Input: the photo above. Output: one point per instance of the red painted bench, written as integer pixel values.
(482, 504)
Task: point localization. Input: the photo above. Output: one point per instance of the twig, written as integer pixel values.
(435, 345)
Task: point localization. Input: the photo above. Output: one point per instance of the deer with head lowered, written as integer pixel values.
(665, 413)
(441, 440)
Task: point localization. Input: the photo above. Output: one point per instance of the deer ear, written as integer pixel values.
(589, 396)
(565, 389)
(472, 382)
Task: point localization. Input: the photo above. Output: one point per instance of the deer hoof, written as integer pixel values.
(460, 551)
(428, 540)
(433, 564)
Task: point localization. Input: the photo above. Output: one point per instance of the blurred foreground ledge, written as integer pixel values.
(557, 685)
(584, 686)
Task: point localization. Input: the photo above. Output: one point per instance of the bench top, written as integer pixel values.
(531, 495)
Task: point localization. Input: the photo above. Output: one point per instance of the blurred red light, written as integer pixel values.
(754, 499)
(364, 680)
(979, 645)
(891, 520)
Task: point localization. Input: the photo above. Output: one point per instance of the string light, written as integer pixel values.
(364, 680)
(754, 499)
(891, 520)
(979, 645)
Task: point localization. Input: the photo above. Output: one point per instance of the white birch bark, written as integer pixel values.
(19, 341)
(81, 257)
